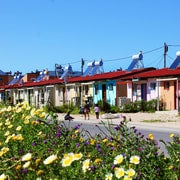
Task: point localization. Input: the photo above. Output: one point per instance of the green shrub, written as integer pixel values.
(114, 109)
(31, 148)
(104, 106)
(144, 106)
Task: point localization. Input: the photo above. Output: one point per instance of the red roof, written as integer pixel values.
(103, 76)
(155, 73)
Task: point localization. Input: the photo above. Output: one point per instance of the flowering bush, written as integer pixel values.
(31, 148)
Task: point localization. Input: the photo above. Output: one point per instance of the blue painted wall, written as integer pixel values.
(110, 91)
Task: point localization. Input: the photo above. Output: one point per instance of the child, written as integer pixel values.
(68, 116)
(97, 110)
(86, 110)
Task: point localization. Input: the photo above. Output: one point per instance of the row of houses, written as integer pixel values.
(116, 88)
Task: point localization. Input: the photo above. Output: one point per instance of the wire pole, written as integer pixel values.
(165, 51)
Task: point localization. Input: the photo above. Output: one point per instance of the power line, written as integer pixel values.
(127, 57)
(153, 50)
(174, 45)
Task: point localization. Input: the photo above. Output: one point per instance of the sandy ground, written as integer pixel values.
(167, 120)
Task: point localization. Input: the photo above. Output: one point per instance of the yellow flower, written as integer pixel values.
(89, 155)
(33, 111)
(81, 140)
(150, 136)
(19, 110)
(97, 161)
(33, 122)
(18, 166)
(7, 133)
(170, 167)
(108, 176)
(127, 178)
(23, 116)
(40, 132)
(134, 159)
(27, 164)
(19, 137)
(92, 141)
(118, 159)
(27, 157)
(37, 161)
(26, 121)
(78, 156)
(7, 139)
(9, 108)
(25, 104)
(42, 115)
(86, 164)
(3, 151)
(50, 159)
(40, 172)
(119, 172)
(66, 161)
(3, 177)
(104, 140)
(18, 128)
(131, 172)
(10, 126)
(171, 135)
(76, 131)
(28, 117)
(7, 123)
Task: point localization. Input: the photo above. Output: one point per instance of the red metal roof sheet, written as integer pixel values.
(155, 73)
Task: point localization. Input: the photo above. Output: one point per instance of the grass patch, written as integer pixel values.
(153, 121)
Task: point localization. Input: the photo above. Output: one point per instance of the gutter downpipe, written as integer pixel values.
(158, 95)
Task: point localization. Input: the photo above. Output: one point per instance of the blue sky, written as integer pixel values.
(36, 34)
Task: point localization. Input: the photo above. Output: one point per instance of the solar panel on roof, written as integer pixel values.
(67, 72)
(132, 65)
(40, 77)
(94, 70)
(15, 80)
(64, 74)
(175, 63)
(89, 68)
(2, 73)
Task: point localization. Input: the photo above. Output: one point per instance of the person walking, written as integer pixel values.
(97, 110)
(86, 110)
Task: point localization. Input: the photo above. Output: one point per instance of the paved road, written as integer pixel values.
(170, 123)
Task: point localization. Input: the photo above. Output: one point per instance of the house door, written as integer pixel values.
(175, 94)
(144, 92)
(104, 92)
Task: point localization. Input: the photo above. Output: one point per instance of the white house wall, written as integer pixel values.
(59, 96)
(129, 90)
(152, 93)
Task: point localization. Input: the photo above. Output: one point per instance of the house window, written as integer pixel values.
(166, 85)
(152, 86)
(135, 90)
(86, 89)
(110, 87)
(96, 89)
(59, 92)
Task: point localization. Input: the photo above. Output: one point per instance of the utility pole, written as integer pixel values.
(82, 64)
(165, 51)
